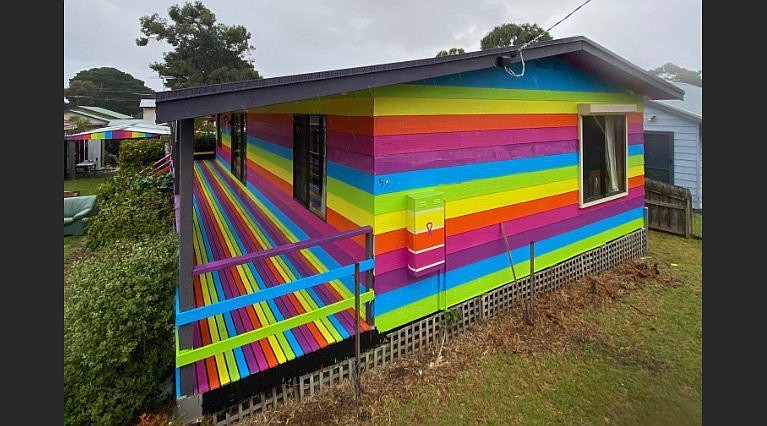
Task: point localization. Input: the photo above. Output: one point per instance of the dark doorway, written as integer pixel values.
(239, 145)
(309, 164)
(659, 156)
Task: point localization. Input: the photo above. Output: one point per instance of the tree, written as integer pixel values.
(205, 52)
(674, 72)
(452, 51)
(108, 88)
(513, 34)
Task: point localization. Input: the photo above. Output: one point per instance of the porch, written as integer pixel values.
(267, 285)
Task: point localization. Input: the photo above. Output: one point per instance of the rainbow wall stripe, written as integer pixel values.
(499, 151)
(116, 134)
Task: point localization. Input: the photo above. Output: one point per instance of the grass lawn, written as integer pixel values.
(641, 369)
(697, 225)
(632, 359)
(86, 185)
(72, 244)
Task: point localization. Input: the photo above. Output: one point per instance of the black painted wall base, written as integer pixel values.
(225, 396)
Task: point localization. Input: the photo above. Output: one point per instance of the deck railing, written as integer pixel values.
(189, 356)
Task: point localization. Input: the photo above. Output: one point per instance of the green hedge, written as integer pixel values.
(119, 330)
(131, 206)
(136, 154)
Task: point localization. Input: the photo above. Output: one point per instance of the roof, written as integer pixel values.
(103, 112)
(97, 113)
(68, 125)
(691, 106)
(127, 129)
(579, 51)
(146, 103)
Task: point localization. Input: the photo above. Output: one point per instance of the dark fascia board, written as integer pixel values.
(676, 111)
(665, 89)
(207, 100)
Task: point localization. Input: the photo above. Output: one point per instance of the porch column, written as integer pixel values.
(185, 176)
(174, 155)
(70, 146)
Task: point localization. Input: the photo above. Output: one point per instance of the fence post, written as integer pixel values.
(688, 215)
(369, 279)
(357, 332)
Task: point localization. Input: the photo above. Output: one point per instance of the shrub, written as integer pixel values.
(136, 154)
(119, 330)
(131, 206)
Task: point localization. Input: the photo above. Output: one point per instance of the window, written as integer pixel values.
(309, 162)
(239, 130)
(603, 150)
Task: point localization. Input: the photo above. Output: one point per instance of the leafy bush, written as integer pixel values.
(136, 154)
(119, 330)
(131, 206)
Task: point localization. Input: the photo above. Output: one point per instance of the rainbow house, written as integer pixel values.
(417, 181)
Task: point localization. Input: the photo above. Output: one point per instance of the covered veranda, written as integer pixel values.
(261, 281)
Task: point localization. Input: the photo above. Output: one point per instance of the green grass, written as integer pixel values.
(86, 185)
(72, 244)
(697, 225)
(638, 369)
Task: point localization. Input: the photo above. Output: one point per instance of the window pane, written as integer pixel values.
(604, 156)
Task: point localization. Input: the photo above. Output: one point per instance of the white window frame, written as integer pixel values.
(603, 109)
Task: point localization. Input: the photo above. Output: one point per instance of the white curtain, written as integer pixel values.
(611, 163)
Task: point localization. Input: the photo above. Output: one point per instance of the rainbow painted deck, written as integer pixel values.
(230, 220)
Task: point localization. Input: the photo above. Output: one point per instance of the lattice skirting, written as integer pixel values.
(425, 332)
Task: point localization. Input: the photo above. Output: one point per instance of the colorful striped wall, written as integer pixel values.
(349, 159)
(501, 150)
(498, 150)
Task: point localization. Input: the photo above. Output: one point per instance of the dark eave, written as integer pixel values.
(580, 51)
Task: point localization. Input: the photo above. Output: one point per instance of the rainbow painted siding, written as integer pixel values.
(501, 150)
(349, 157)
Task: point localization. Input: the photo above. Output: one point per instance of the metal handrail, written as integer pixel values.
(188, 356)
(276, 251)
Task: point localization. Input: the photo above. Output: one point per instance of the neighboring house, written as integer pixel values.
(91, 144)
(94, 148)
(95, 115)
(148, 110)
(442, 169)
(674, 141)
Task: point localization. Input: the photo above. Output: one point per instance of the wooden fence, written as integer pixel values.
(670, 207)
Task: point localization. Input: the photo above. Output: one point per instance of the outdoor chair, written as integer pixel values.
(75, 210)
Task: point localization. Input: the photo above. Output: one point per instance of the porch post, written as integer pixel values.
(174, 155)
(184, 165)
(70, 158)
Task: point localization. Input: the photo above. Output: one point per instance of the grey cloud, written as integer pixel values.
(304, 36)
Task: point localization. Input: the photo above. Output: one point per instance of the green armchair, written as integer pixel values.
(75, 209)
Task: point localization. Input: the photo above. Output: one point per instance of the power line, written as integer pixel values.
(519, 51)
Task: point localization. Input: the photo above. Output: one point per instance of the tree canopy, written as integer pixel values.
(204, 52)
(452, 51)
(674, 72)
(108, 88)
(513, 34)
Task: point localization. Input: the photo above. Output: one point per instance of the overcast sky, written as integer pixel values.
(293, 37)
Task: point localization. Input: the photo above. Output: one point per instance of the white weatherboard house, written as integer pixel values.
(673, 137)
